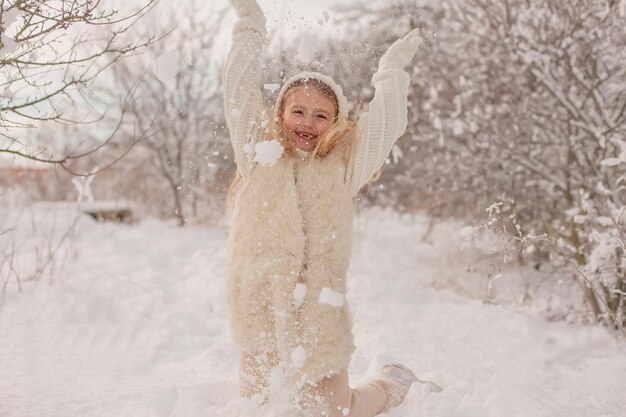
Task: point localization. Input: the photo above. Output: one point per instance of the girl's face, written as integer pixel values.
(306, 116)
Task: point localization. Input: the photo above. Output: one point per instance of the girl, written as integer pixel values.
(290, 238)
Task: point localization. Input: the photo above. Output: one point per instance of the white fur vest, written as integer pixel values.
(288, 256)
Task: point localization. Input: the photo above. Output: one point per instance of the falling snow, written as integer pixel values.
(167, 66)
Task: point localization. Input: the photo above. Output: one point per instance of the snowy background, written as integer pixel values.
(489, 256)
(134, 325)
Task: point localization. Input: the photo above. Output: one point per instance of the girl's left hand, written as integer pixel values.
(401, 52)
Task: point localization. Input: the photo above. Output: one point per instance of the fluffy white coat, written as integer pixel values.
(292, 224)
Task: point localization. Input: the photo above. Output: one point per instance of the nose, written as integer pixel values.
(307, 121)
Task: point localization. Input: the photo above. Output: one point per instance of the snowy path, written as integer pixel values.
(136, 327)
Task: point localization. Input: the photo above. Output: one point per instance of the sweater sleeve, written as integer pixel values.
(380, 127)
(243, 103)
(386, 118)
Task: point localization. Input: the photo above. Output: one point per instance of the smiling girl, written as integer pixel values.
(291, 231)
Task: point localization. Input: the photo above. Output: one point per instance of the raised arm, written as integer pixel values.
(386, 118)
(243, 104)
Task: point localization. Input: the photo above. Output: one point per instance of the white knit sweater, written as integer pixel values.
(379, 128)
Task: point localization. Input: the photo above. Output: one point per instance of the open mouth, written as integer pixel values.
(306, 136)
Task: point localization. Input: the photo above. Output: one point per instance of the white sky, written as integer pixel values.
(291, 17)
(296, 19)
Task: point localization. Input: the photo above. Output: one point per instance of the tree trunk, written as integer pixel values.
(180, 215)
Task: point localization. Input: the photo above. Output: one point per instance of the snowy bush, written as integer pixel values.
(514, 102)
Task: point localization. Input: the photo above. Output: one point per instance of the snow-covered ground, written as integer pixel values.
(132, 323)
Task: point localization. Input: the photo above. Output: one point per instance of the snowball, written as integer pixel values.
(330, 297)
(235, 113)
(271, 87)
(167, 66)
(268, 152)
(247, 148)
(298, 356)
(306, 50)
(298, 294)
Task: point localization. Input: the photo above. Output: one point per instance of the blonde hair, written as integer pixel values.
(342, 128)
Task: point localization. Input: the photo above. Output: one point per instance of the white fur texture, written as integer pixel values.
(292, 224)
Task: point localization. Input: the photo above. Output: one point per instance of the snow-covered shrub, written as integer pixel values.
(605, 266)
(511, 101)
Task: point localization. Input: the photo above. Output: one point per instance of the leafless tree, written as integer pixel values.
(175, 114)
(50, 55)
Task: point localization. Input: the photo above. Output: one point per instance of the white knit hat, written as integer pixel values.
(342, 102)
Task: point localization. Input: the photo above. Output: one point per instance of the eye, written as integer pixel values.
(297, 112)
(322, 116)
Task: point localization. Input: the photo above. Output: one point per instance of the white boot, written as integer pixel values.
(401, 378)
